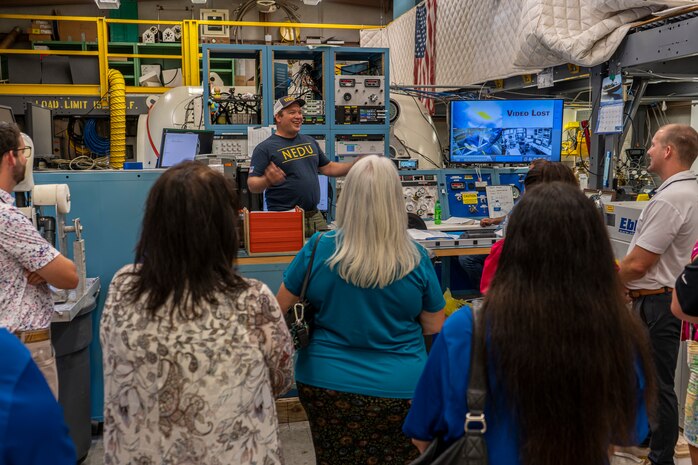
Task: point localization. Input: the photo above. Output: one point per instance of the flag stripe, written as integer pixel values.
(425, 49)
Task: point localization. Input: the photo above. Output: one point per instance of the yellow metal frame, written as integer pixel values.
(209, 22)
(11, 51)
(57, 90)
(190, 50)
(190, 55)
(103, 49)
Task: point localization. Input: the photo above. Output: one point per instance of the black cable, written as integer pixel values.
(187, 109)
(591, 172)
(203, 109)
(632, 125)
(177, 71)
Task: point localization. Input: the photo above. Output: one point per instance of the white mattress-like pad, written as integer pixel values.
(481, 40)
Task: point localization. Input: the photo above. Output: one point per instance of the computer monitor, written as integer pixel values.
(180, 145)
(39, 126)
(6, 114)
(324, 203)
(505, 131)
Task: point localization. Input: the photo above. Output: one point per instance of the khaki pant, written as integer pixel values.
(314, 222)
(45, 358)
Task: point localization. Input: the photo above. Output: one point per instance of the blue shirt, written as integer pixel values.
(300, 158)
(366, 341)
(439, 404)
(32, 429)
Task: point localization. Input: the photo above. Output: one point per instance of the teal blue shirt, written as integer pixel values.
(366, 341)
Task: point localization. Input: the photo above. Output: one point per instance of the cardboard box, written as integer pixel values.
(272, 233)
(39, 37)
(41, 24)
(40, 27)
(77, 31)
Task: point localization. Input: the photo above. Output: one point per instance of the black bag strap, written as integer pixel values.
(475, 423)
(310, 268)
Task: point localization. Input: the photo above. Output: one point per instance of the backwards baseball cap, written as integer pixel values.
(283, 102)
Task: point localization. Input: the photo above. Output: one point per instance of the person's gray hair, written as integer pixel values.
(374, 248)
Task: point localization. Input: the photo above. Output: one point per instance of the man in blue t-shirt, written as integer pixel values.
(286, 166)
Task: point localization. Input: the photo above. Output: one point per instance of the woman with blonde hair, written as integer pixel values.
(377, 294)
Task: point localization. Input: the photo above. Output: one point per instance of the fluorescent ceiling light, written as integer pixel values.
(108, 4)
(312, 2)
(200, 2)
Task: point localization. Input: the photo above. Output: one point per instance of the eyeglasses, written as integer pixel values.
(27, 151)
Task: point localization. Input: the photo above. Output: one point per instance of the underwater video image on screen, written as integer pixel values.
(505, 131)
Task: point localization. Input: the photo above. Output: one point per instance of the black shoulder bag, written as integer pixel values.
(471, 448)
(300, 317)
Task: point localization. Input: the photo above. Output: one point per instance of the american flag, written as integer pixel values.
(425, 48)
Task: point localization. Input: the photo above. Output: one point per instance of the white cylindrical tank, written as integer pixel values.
(178, 108)
(412, 133)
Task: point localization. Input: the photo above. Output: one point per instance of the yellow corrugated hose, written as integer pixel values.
(117, 120)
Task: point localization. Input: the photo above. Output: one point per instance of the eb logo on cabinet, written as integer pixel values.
(627, 226)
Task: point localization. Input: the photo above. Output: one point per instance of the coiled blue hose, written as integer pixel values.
(93, 141)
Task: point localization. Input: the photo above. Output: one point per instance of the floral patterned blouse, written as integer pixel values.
(194, 392)
(23, 306)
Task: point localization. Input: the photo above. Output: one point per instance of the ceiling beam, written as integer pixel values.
(667, 42)
(672, 91)
(26, 3)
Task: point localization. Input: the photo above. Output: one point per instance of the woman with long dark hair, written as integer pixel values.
(569, 368)
(194, 354)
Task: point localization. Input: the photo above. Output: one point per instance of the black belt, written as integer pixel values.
(311, 212)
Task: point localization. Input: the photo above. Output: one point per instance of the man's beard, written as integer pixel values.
(19, 172)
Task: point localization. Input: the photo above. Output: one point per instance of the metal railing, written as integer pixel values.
(190, 55)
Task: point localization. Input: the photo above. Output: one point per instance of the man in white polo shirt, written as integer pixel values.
(666, 232)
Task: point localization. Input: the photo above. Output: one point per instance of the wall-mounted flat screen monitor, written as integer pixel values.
(180, 145)
(505, 131)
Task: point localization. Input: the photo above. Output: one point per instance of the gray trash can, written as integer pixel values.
(71, 341)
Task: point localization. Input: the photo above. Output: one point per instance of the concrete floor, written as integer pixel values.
(295, 439)
(298, 448)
